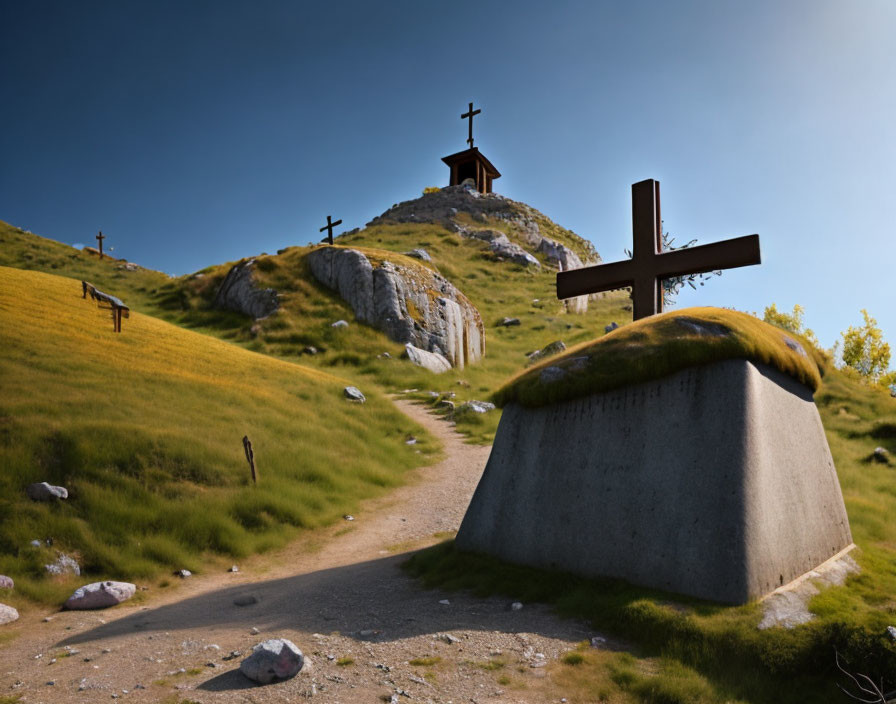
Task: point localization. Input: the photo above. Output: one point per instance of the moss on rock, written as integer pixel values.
(656, 347)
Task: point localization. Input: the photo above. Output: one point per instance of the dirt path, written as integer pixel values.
(340, 596)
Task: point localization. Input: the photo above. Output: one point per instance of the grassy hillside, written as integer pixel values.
(689, 651)
(498, 289)
(145, 429)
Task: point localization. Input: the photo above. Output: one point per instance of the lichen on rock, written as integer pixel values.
(406, 300)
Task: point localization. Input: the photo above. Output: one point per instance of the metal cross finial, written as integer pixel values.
(649, 264)
(99, 238)
(329, 228)
(470, 116)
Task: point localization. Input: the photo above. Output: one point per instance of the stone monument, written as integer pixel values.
(682, 452)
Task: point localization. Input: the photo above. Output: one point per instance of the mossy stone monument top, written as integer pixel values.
(681, 452)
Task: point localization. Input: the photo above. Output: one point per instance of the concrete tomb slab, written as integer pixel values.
(715, 481)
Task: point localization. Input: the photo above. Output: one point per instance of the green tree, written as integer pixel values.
(865, 350)
(792, 322)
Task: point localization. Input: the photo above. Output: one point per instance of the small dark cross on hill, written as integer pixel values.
(99, 238)
(649, 265)
(470, 116)
(329, 228)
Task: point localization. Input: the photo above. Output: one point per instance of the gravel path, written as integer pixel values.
(370, 633)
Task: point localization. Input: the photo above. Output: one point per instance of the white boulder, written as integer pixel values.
(8, 614)
(100, 595)
(433, 361)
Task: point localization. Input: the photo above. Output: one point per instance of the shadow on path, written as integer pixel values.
(375, 595)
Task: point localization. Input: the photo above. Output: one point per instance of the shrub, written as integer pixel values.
(865, 350)
(792, 322)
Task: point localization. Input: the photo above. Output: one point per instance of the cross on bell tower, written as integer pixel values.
(471, 163)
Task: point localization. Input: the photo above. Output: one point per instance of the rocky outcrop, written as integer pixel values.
(239, 293)
(529, 227)
(501, 246)
(100, 595)
(409, 302)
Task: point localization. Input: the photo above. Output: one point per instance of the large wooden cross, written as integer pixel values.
(99, 238)
(649, 264)
(329, 228)
(470, 116)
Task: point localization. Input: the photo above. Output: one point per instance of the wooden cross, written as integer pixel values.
(649, 264)
(470, 116)
(99, 238)
(329, 228)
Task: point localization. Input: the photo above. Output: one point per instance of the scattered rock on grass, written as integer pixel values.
(100, 595)
(881, 454)
(352, 393)
(510, 322)
(611, 327)
(273, 659)
(7, 614)
(41, 491)
(476, 407)
(339, 324)
(6, 582)
(64, 564)
(183, 574)
(419, 254)
(546, 351)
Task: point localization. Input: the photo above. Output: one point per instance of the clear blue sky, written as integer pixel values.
(196, 132)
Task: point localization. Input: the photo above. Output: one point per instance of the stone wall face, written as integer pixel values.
(716, 482)
(410, 304)
(239, 293)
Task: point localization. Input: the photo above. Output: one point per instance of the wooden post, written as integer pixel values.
(250, 457)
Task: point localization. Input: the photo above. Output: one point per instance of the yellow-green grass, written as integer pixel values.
(658, 346)
(308, 309)
(496, 289)
(714, 653)
(145, 430)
